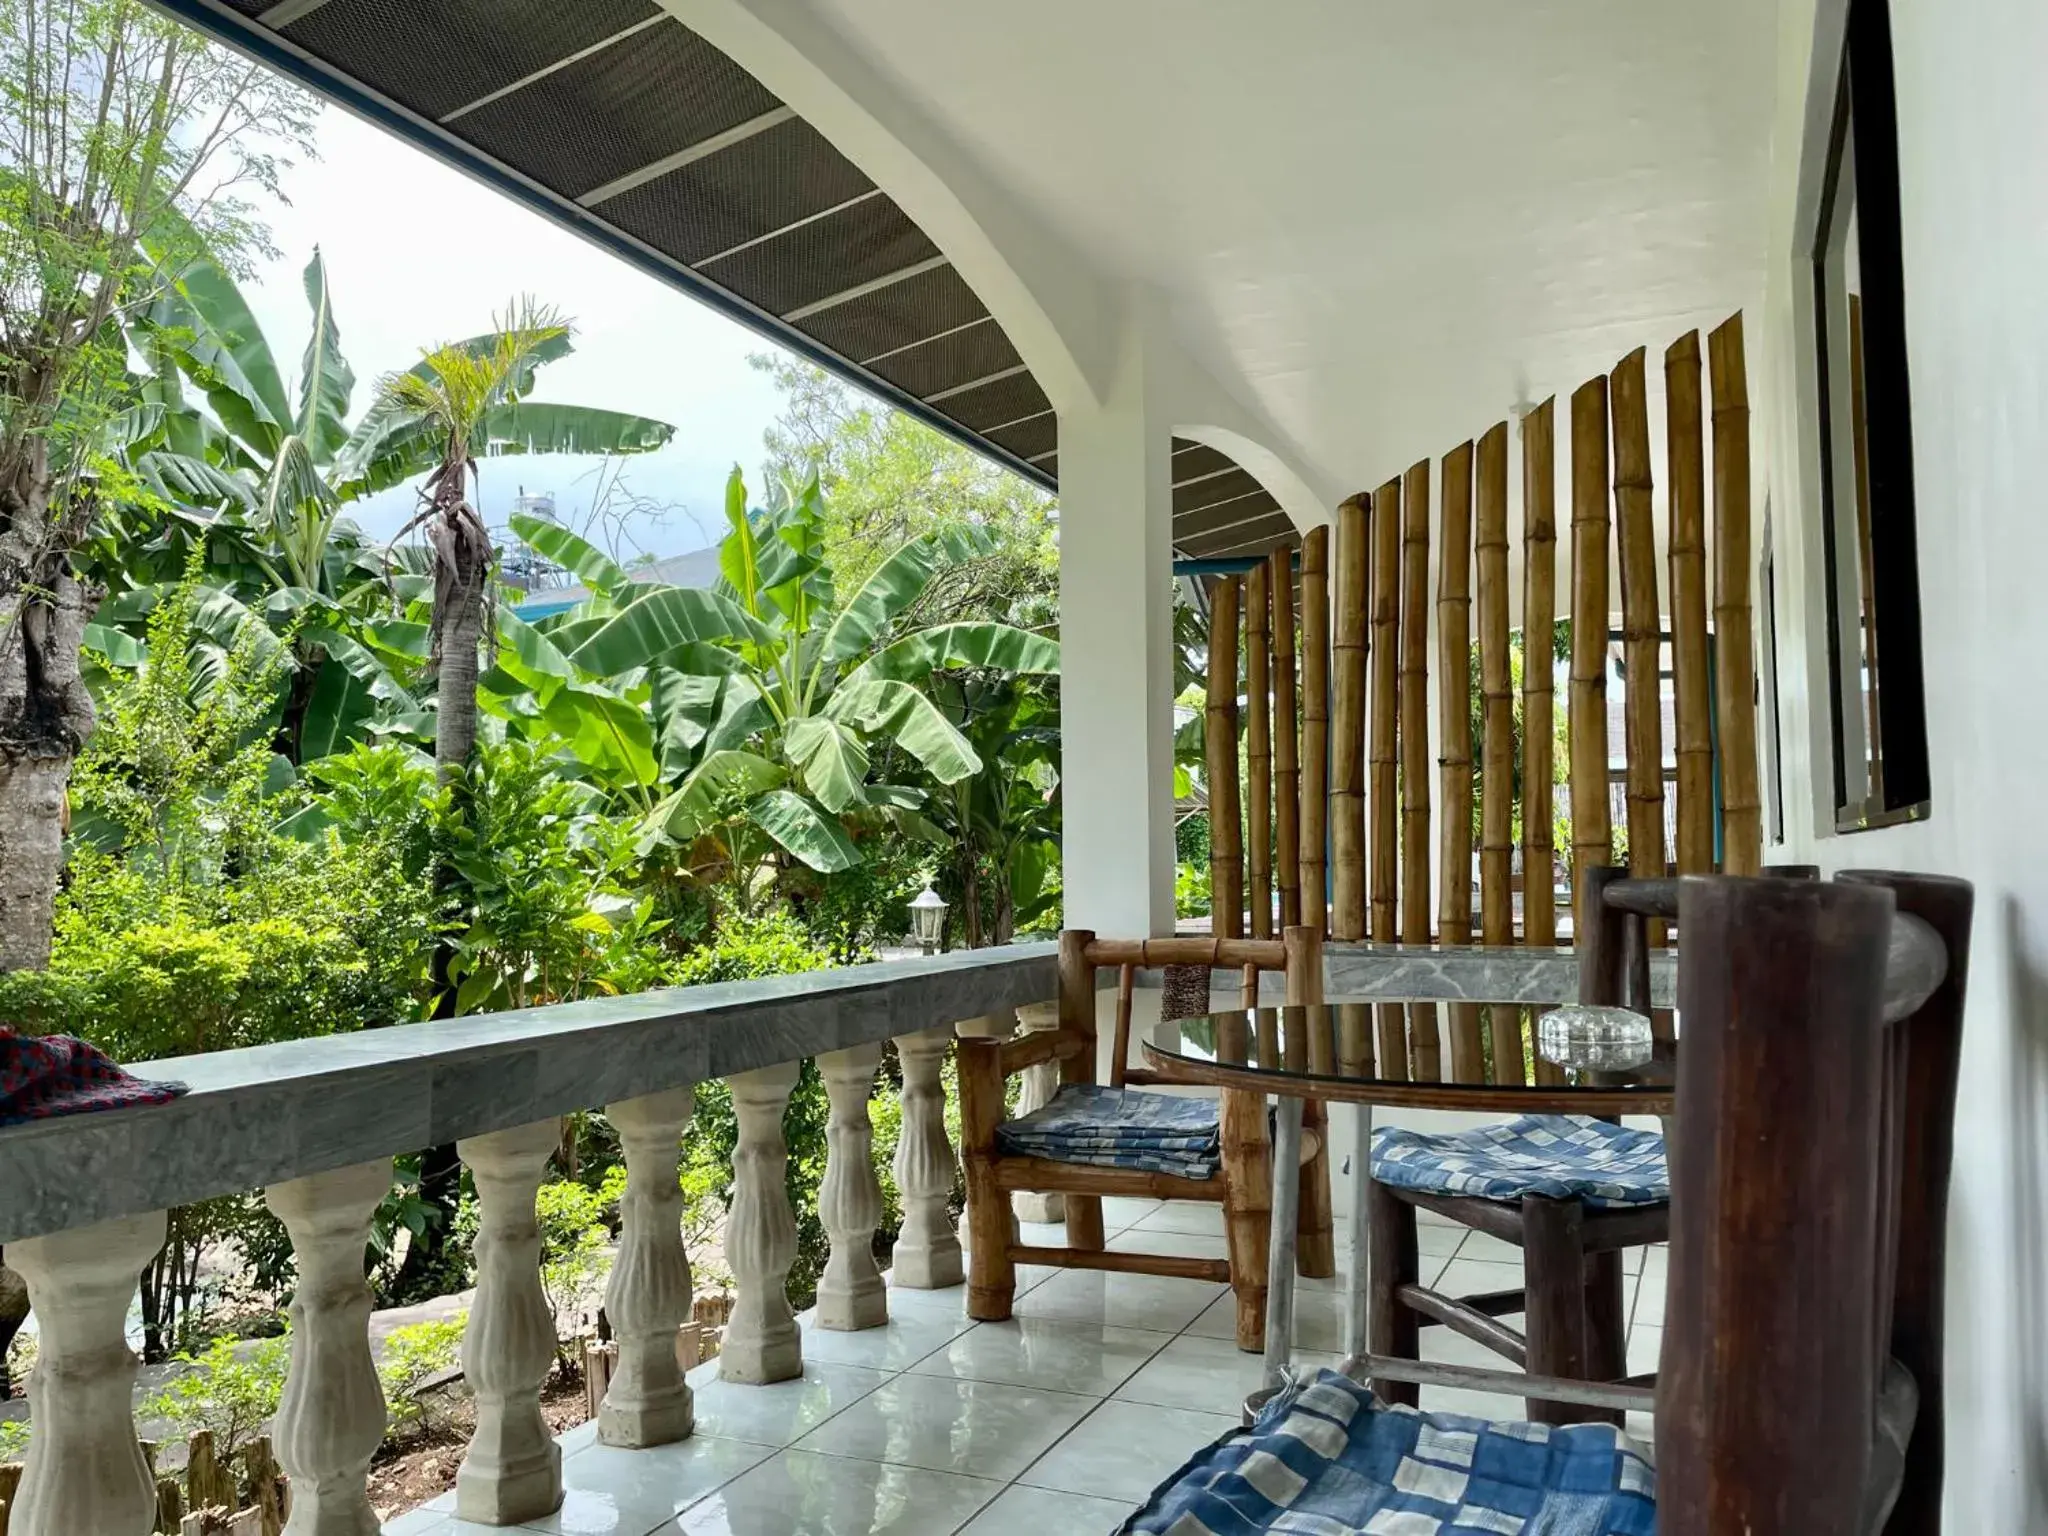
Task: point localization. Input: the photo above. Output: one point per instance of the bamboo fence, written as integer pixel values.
(1454, 726)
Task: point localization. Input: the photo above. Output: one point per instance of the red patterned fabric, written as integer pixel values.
(45, 1076)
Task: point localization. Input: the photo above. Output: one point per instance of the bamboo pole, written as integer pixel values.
(1425, 1046)
(1226, 811)
(1592, 827)
(1641, 628)
(1539, 685)
(1685, 455)
(1258, 753)
(1347, 757)
(1386, 625)
(1454, 725)
(1286, 739)
(1742, 831)
(1315, 725)
(1641, 615)
(1497, 785)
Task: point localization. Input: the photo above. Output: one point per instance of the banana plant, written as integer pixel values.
(767, 700)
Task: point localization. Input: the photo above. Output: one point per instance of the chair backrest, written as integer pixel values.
(1810, 1166)
(1298, 956)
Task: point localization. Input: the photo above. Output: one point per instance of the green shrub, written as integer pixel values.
(14, 1435)
(232, 1389)
(413, 1355)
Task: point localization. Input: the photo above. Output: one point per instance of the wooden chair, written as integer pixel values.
(1243, 1185)
(1571, 1298)
(1801, 1389)
(1575, 1323)
(1800, 1392)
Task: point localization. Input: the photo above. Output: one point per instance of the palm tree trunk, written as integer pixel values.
(462, 567)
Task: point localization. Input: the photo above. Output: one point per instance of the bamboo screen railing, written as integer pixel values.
(1328, 820)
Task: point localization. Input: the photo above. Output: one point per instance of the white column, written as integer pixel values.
(1038, 1085)
(648, 1300)
(850, 1293)
(1116, 635)
(513, 1472)
(332, 1418)
(927, 1249)
(85, 1469)
(762, 1341)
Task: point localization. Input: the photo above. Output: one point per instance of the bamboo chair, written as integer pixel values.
(1801, 1388)
(1571, 1298)
(1243, 1184)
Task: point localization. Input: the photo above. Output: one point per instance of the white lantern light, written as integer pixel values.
(927, 919)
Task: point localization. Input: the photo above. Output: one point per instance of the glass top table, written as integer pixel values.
(1326, 1051)
(1612, 1064)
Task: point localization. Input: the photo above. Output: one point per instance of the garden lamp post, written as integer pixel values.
(927, 919)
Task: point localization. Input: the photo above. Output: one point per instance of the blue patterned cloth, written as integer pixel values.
(1326, 1458)
(1563, 1157)
(1120, 1128)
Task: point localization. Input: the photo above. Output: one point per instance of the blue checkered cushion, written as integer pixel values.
(1120, 1128)
(1563, 1157)
(1328, 1459)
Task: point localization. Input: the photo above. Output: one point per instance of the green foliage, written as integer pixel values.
(14, 1437)
(414, 1355)
(232, 1389)
(574, 1237)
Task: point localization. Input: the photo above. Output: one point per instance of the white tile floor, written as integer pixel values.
(1057, 1422)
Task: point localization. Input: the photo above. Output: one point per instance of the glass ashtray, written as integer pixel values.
(1587, 1038)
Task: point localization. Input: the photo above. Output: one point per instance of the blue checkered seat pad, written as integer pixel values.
(1120, 1128)
(1327, 1458)
(1563, 1157)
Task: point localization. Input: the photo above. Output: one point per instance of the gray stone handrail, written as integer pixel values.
(271, 1113)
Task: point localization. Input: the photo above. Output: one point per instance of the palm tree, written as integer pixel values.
(467, 400)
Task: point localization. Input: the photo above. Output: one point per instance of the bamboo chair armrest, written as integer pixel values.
(1035, 1049)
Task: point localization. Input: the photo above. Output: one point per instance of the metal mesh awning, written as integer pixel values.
(613, 118)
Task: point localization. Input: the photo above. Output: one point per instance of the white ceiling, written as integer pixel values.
(1383, 223)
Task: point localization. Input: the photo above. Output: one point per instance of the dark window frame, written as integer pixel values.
(1865, 89)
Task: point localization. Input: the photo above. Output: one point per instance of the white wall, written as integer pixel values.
(1973, 129)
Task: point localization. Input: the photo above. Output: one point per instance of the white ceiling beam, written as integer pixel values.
(703, 150)
(954, 330)
(987, 378)
(809, 218)
(548, 69)
(862, 290)
(285, 12)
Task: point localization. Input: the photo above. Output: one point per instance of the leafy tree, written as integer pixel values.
(888, 478)
(120, 133)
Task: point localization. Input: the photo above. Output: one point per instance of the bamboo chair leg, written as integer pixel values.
(1315, 1240)
(1248, 1208)
(1554, 1263)
(1606, 1325)
(991, 1273)
(1394, 1262)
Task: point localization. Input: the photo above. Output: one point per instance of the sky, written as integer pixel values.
(417, 254)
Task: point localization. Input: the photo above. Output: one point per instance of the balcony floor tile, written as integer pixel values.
(944, 1424)
(801, 1493)
(956, 1428)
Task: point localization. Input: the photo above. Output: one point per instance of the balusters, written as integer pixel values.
(1035, 1090)
(513, 1472)
(332, 1418)
(928, 1249)
(850, 1293)
(85, 1469)
(648, 1298)
(762, 1342)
